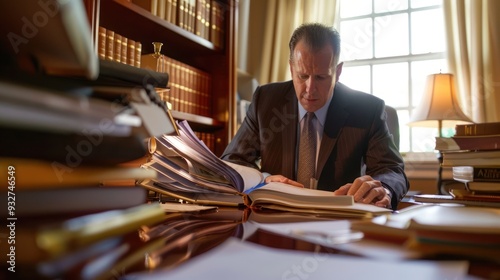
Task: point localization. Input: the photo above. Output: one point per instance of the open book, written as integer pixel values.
(189, 171)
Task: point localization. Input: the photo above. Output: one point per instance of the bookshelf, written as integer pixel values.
(127, 18)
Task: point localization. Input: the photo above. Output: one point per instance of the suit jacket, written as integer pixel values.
(355, 132)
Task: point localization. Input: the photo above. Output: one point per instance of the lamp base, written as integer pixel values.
(440, 173)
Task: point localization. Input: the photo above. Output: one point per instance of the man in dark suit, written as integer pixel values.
(350, 127)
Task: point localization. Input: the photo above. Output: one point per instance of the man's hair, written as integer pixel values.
(316, 36)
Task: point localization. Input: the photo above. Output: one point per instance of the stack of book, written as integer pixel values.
(71, 123)
(474, 156)
(68, 136)
(434, 230)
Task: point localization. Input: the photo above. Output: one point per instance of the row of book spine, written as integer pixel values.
(189, 87)
(116, 47)
(205, 18)
(207, 138)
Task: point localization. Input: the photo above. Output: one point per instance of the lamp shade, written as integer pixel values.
(439, 105)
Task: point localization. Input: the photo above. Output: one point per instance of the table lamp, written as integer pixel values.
(439, 107)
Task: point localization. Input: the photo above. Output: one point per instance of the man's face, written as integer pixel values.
(314, 75)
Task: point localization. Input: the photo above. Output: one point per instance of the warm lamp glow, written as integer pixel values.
(439, 106)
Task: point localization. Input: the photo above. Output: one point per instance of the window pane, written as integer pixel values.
(351, 8)
(382, 6)
(391, 35)
(383, 36)
(356, 39)
(427, 31)
(424, 139)
(390, 82)
(404, 131)
(424, 3)
(419, 72)
(356, 77)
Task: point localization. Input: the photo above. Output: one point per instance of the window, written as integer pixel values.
(388, 49)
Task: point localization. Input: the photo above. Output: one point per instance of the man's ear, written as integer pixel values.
(290, 63)
(338, 71)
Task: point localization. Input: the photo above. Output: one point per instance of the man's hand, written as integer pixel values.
(283, 179)
(366, 190)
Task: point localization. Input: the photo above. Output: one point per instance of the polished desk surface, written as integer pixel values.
(180, 238)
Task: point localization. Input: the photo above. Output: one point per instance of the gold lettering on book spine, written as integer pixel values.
(488, 173)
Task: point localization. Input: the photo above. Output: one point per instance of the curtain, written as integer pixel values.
(270, 25)
(473, 39)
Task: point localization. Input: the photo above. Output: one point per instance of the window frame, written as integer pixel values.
(428, 156)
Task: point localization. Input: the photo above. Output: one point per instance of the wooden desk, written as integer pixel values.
(180, 238)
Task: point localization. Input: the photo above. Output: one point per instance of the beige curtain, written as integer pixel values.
(263, 51)
(473, 37)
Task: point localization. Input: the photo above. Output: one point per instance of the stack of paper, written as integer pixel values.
(189, 171)
(465, 231)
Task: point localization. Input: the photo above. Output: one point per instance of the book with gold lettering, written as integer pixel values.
(189, 87)
(479, 178)
(477, 129)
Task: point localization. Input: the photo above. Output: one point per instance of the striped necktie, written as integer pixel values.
(307, 151)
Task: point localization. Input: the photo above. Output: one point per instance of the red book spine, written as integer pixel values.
(490, 142)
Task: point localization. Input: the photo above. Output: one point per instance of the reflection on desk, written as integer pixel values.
(245, 260)
(222, 243)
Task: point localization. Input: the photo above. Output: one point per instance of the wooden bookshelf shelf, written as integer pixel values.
(214, 57)
(151, 26)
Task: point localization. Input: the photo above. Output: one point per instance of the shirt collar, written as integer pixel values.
(320, 113)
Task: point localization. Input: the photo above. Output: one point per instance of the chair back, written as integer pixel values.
(393, 123)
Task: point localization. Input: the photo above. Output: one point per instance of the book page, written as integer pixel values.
(251, 176)
(198, 163)
(198, 154)
(169, 173)
(301, 196)
(284, 197)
